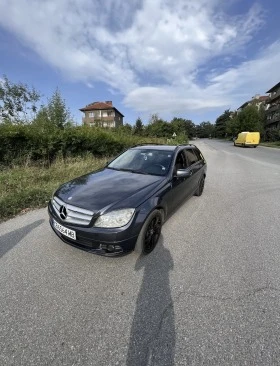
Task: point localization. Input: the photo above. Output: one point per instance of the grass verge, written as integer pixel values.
(26, 187)
(275, 144)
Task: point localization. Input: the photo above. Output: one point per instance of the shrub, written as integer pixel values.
(22, 143)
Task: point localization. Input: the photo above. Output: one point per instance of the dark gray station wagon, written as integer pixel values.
(123, 206)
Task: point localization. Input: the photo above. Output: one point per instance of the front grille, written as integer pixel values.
(75, 215)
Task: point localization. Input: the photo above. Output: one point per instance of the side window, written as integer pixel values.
(197, 153)
(180, 162)
(191, 157)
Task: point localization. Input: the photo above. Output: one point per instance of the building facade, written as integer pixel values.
(257, 100)
(273, 112)
(102, 114)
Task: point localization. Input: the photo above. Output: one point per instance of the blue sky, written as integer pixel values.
(148, 56)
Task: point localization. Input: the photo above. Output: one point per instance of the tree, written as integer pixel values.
(125, 129)
(17, 101)
(250, 118)
(183, 127)
(205, 129)
(154, 118)
(159, 128)
(53, 115)
(42, 119)
(221, 122)
(57, 111)
(139, 127)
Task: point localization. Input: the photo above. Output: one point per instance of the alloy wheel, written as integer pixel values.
(152, 234)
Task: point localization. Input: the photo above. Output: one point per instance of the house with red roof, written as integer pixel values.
(102, 114)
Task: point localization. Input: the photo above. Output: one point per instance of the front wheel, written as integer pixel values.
(150, 233)
(200, 188)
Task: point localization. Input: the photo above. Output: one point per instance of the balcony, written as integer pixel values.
(274, 96)
(273, 108)
(87, 120)
(274, 119)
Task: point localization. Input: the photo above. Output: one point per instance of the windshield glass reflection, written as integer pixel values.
(143, 161)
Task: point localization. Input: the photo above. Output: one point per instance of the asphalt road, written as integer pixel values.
(208, 294)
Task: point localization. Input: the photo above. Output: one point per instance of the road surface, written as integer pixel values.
(208, 295)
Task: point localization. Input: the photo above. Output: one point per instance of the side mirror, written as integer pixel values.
(183, 173)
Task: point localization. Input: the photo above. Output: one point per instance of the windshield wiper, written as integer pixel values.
(131, 170)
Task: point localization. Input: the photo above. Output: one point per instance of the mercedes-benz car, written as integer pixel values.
(123, 206)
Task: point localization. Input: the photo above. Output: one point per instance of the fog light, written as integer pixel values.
(110, 248)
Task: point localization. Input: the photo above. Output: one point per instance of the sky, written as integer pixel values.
(175, 58)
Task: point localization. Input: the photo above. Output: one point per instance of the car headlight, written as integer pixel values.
(116, 218)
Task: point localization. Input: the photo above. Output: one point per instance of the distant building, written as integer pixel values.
(273, 111)
(258, 100)
(102, 114)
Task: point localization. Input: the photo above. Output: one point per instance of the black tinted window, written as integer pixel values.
(181, 161)
(191, 156)
(197, 153)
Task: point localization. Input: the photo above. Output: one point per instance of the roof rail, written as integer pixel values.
(148, 143)
(186, 145)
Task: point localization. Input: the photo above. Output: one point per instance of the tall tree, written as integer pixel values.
(58, 113)
(221, 123)
(205, 129)
(17, 101)
(250, 118)
(154, 118)
(139, 127)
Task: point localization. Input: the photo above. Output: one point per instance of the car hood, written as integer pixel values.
(101, 190)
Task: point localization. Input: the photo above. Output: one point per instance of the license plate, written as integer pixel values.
(64, 230)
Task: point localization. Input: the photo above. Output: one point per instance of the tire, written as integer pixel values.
(200, 187)
(255, 146)
(150, 233)
(234, 144)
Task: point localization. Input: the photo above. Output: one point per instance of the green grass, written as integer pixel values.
(275, 144)
(27, 187)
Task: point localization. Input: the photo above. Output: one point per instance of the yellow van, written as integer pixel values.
(247, 139)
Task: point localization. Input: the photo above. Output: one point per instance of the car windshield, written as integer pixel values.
(143, 161)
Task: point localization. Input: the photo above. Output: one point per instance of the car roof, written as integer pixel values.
(162, 147)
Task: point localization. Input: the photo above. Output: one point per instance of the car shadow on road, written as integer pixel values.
(10, 240)
(152, 336)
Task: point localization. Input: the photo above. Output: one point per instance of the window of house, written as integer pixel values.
(91, 114)
(109, 113)
(104, 124)
(91, 124)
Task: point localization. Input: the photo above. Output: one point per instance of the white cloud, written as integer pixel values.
(228, 89)
(150, 51)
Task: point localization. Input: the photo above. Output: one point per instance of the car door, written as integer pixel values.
(195, 165)
(180, 186)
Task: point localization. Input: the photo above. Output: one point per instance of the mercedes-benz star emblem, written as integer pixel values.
(63, 212)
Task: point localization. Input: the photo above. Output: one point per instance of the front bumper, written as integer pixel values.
(107, 242)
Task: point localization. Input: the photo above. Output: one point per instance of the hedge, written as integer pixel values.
(21, 142)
